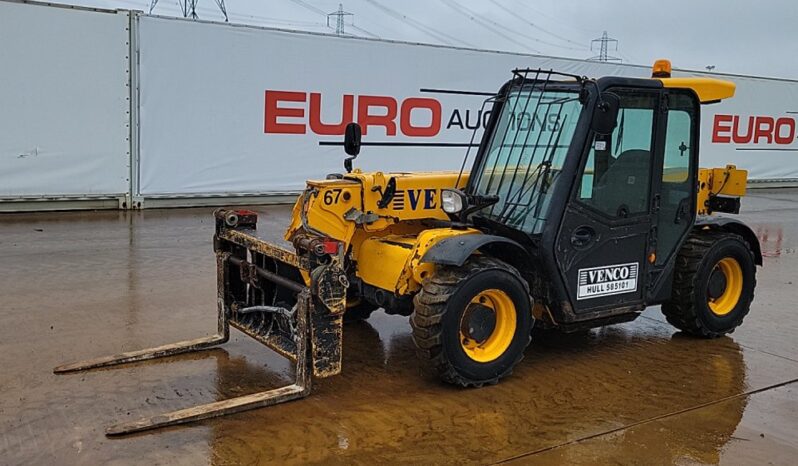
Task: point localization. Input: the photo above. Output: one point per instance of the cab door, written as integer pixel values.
(676, 173)
(606, 231)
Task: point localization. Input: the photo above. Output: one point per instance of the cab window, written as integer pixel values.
(616, 177)
(673, 218)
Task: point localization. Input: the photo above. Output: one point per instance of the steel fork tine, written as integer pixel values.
(144, 354)
(299, 389)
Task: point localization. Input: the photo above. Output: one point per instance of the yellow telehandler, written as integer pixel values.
(583, 205)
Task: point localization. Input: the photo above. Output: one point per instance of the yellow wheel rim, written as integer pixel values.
(492, 347)
(733, 273)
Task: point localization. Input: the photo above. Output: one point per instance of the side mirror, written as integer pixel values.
(351, 144)
(605, 115)
(352, 139)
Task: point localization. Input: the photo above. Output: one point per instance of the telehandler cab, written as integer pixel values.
(584, 205)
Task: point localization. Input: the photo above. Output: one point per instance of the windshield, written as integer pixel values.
(525, 155)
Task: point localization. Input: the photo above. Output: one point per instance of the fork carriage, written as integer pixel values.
(261, 291)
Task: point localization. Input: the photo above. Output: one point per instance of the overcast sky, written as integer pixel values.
(736, 36)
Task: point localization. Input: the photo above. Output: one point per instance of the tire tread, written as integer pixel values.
(680, 309)
(430, 306)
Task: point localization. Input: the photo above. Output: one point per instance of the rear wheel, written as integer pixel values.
(473, 323)
(713, 284)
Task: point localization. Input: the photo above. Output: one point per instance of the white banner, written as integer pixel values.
(241, 110)
(247, 110)
(63, 102)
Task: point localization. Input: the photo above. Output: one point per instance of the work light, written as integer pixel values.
(452, 200)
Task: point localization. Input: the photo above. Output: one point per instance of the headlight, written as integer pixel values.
(452, 201)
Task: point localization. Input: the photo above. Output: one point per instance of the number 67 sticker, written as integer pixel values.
(331, 196)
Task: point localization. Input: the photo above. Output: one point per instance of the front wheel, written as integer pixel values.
(713, 284)
(472, 323)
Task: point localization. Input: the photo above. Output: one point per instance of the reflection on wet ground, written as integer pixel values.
(76, 285)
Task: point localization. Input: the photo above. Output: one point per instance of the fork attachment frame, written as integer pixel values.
(262, 291)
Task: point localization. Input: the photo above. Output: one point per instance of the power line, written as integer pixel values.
(375, 36)
(604, 41)
(557, 20)
(364, 32)
(310, 7)
(517, 16)
(438, 35)
(627, 58)
(521, 34)
(275, 22)
(484, 23)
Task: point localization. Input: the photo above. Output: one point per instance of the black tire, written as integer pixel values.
(688, 308)
(358, 312)
(439, 308)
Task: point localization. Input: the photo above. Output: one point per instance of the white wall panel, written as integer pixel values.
(204, 111)
(63, 102)
(65, 109)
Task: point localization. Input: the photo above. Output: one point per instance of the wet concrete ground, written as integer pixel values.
(79, 285)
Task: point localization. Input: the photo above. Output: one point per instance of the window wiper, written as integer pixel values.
(546, 164)
(513, 201)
